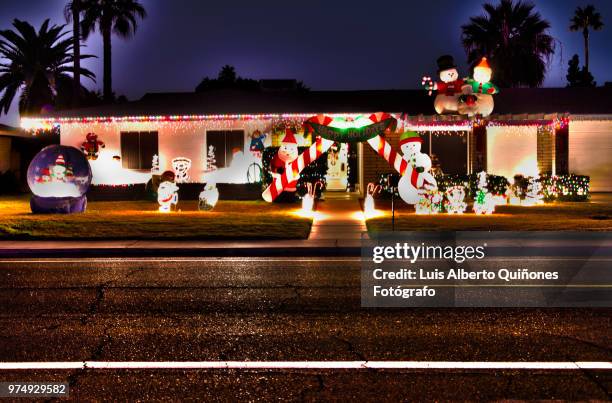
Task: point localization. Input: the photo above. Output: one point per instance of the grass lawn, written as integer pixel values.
(595, 215)
(140, 220)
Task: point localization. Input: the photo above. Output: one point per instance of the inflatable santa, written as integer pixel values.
(287, 153)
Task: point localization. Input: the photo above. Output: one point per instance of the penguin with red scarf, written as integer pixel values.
(286, 154)
(417, 180)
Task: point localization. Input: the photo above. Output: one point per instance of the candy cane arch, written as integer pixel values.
(327, 135)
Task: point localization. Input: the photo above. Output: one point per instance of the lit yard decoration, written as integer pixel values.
(287, 153)
(155, 165)
(484, 202)
(208, 197)
(477, 98)
(417, 178)
(309, 197)
(369, 209)
(328, 131)
(454, 203)
(448, 88)
(181, 166)
(534, 195)
(430, 202)
(167, 195)
(59, 177)
(211, 160)
(91, 146)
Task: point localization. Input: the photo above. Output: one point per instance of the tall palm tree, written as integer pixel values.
(583, 19)
(110, 16)
(72, 13)
(514, 38)
(36, 62)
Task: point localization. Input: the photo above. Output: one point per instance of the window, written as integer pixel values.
(225, 142)
(137, 149)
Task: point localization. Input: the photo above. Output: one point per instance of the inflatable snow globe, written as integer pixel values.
(59, 176)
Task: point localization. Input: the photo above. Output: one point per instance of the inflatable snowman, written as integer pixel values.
(417, 178)
(167, 196)
(477, 98)
(449, 87)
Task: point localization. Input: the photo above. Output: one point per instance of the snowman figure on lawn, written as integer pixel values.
(286, 154)
(167, 195)
(417, 180)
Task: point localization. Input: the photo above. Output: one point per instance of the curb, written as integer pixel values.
(182, 252)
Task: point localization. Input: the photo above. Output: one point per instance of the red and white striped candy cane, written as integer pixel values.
(294, 168)
(384, 149)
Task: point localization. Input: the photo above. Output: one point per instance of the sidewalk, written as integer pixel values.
(339, 217)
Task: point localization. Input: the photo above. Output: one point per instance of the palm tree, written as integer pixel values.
(72, 13)
(583, 19)
(514, 38)
(110, 16)
(36, 63)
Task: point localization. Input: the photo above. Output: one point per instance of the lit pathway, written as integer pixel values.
(338, 217)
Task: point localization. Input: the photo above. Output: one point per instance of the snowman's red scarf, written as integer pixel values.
(168, 199)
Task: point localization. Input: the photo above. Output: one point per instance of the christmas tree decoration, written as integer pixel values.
(454, 203)
(369, 210)
(211, 160)
(448, 88)
(181, 166)
(533, 195)
(59, 177)
(476, 98)
(483, 203)
(167, 195)
(155, 165)
(208, 197)
(91, 146)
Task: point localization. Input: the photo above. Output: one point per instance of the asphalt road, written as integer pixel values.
(268, 309)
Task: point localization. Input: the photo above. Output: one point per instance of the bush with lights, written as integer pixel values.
(312, 173)
(568, 187)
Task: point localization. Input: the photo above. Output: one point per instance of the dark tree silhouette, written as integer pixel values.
(577, 77)
(515, 40)
(72, 14)
(584, 19)
(226, 79)
(38, 63)
(108, 17)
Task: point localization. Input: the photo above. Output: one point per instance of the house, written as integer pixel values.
(532, 130)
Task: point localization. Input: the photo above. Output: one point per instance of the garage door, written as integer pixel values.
(590, 150)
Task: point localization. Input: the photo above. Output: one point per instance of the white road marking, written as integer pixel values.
(537, 365)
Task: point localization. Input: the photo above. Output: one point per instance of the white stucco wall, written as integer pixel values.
(175, 139)
(590, 152)
(512, 150)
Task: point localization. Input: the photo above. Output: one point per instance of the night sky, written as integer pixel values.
(328, 44)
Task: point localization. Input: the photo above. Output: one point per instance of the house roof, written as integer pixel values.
(412, 102)
(6, 130)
